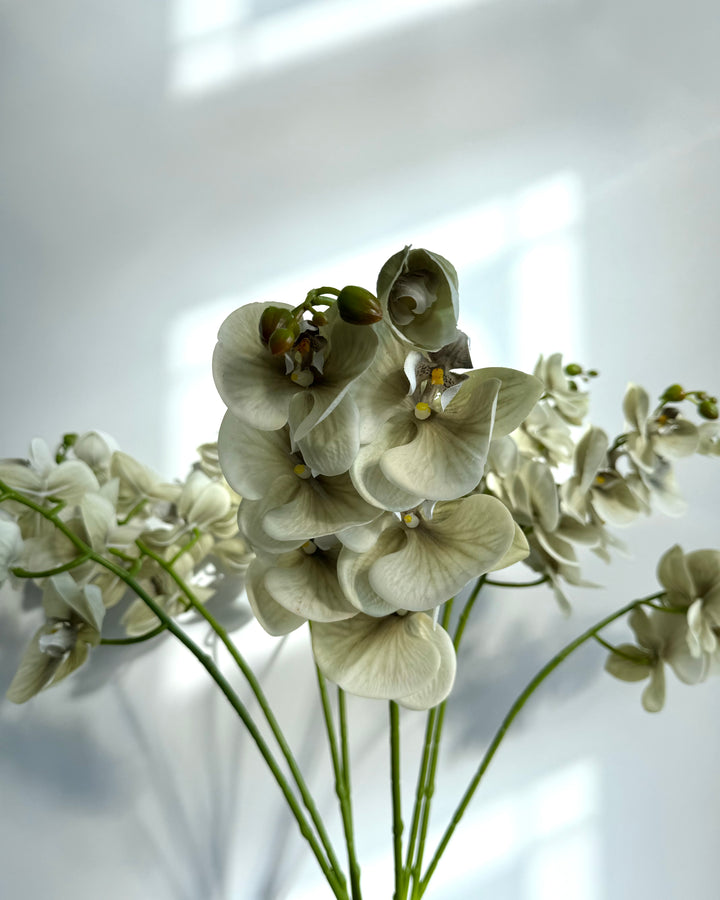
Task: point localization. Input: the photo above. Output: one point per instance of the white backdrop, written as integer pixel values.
(161, 163)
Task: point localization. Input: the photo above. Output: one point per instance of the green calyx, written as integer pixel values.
(358, 306)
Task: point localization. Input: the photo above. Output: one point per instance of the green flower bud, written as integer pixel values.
(282, 340)
(674, 393)
(358, 306)
(319, 318)
(708, 409)
(272, 317)
(573, 369)
(592, 373)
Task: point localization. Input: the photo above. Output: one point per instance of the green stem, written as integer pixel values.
(422, 799)
(334, 879)
(517, 584)
(340, 783)
(509, 719)
(259, 694)
(349, 828)
(120, 642)
(396, 798)
(190, 544)
(56, 570)
(136, 509)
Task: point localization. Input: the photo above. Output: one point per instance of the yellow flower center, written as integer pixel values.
(422, 410)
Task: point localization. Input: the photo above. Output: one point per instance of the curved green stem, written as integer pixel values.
(259, 694)
(334, 878)
(56, 570)
(509, 719)
(119, 642)
(517, 584)
(197, 534)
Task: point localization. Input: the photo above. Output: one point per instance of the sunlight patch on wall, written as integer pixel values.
(219, 41)
(542, 842)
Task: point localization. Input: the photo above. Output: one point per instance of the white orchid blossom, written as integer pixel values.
(661, 637)
(41, 477)
(571, 403)
(73, 619)
(693, 583)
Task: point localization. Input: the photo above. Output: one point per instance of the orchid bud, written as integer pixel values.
(708, 409)
(674, 393)
(282, 339)
(573, 369)
(358, 306)
(272, 317)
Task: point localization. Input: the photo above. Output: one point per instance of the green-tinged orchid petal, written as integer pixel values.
(439, 688)
(350, 351)
(642, 625)
(386, 659)
(542, 493)
(306, 583)
(98, 516)
(704, 567)
(674, 575)
(519, 392)
(465, 538)
(681, 439)
(70, 480)
(709, 439)
(331, 446)
(273, 617)
(319, 506)
(571, 403)
(518, 550)
(381, 389)
(665, 491)
(21, 477)
(636, 405)
(636, 668)
(589, 456)
(35, 671)
(11, 546)
(62, 597)
(354, 569)
(362, 537)
(138, 481)
(251, 517)
(367, 474)
(447, 456)
(653, 697)
(252, 458)
(557, 547)
(251, 381)
(615, 502)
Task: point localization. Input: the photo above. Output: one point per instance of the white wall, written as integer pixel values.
(577, 144)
